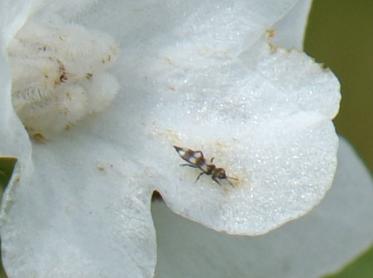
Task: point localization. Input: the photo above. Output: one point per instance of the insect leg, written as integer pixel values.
(212, 159)
(189, 165)
(199, 176)
(231, 178)
(216, 180)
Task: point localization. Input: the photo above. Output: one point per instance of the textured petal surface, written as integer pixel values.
(276, 138)
(83, 211)
(320, 243)
(197, 77)
(77, 207)
(206, 79)
(266, 118)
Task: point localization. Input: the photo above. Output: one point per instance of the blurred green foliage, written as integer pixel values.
(6, 169)
(339, 35)
(362, 267)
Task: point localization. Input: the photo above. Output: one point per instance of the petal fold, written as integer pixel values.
(14, 140)
(267, 122)
(289, 31)
(320, 243)
(264, 114)
(82, 211)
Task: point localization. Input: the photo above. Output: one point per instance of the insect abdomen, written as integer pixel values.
(193, 157)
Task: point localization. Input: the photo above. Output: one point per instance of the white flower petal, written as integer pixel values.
(68, 9)
(14, 139)
(77, 208)
(266, 116)
(136, 22)
(82, 211)
(318, 244)
(289, 32)
(164, 71)
(13, 15)
(58, 75)
(267, 122)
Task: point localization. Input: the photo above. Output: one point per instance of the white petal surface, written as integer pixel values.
(82, 212)
(267, 122)
(13, 138)
(318, 244)
(205, 79)
(289, 32)
(138, 22)
(200, 77)
(265, 116)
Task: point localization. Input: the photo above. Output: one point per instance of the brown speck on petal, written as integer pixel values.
(39, 138)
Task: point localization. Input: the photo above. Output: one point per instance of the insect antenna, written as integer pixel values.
(231, 178)
(177, 148)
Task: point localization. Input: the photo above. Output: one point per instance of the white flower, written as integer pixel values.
(198, 75)
(316, 245)
(59, 75)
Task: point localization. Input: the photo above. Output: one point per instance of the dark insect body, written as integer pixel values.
(196, 159)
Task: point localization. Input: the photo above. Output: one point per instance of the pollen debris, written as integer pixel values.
(58, 77)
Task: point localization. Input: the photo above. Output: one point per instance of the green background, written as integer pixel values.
(339, 35)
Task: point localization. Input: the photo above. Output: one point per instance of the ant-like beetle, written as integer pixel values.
(196, 159)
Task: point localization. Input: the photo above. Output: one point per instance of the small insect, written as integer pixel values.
(196, 159)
